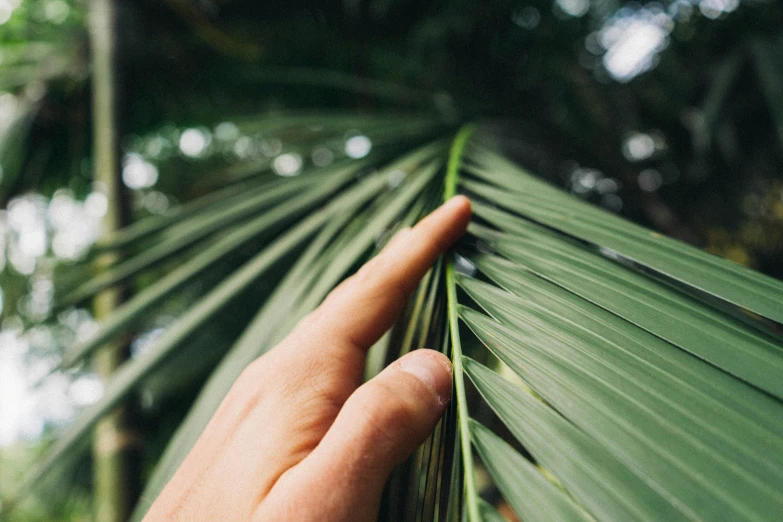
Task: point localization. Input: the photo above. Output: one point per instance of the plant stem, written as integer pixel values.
(455, 159)
(459, 387)
(115, 445)
(471, 495)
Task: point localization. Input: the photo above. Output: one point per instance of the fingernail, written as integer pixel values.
(432, 369)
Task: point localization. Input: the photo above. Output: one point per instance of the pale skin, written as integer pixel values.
(298, 437)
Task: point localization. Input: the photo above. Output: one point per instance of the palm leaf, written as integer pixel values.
(699, 270)
(519, 480)
(616, 374)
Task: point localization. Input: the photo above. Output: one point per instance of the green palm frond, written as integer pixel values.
(602, 371)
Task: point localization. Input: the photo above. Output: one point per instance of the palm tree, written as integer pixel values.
(629, 376)
(603, 371)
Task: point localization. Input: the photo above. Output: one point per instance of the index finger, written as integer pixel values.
(365, 305)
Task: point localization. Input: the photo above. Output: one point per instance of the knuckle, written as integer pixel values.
(328, 382)
(247, 393)
(388, 418)
(249, 379)
(377, 278)
(310, 320)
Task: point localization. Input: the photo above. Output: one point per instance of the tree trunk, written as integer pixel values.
(116, 445)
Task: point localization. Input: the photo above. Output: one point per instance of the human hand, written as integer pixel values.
(297, 437)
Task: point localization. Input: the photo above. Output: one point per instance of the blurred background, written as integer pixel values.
(667, 112)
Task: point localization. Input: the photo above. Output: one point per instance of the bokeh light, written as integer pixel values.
(638, 146)
(138, 173)
(193, 142)
(632, 38)
(576, 8)
(358, 146)
(289, 164)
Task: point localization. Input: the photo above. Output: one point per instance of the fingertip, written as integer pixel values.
(460, 207)
(460, 202)
(459, 210)
(380, 425)
(432, 369)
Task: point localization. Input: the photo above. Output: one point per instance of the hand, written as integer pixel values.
(297, 437)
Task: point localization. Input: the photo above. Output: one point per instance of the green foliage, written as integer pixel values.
(603, 371)
(624, 385)
(64, 497)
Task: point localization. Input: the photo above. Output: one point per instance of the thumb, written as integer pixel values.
(379, 426)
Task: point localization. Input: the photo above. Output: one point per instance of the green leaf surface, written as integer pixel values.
(193, 267)
(670, 384)
(154, 224)
(606, 402)
(254, 201)
(549, 300)
(530, 494)
(512, 188)
(589, 473)
(657, 307)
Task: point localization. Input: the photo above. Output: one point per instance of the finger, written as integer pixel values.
(365, 305)
(321, 363)
(380, 425)
(375, 295)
